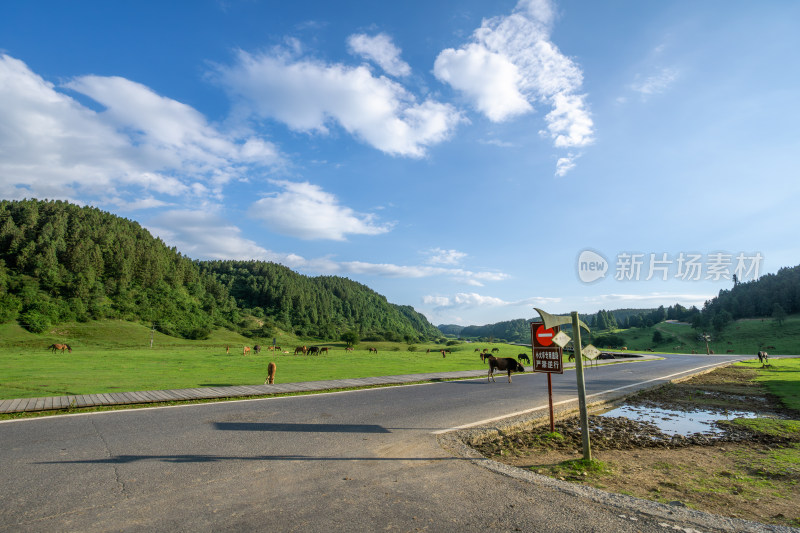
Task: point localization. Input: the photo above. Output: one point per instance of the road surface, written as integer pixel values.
(367, 460)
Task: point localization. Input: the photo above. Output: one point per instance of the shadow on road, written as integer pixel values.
(309, 428)
(127, 459)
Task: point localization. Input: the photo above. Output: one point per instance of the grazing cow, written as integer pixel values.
(495, 350)
(348, 349)
(300, 349)
(571, 357)
(323, 350)
(523, 357)
(314, 350)
(504, 363)
(246, 350)
(371, 349)
(624, 348)
(271, 368)
(227, 350)
(60, 347)
(443, 352)
(257, 348)
(477, 350)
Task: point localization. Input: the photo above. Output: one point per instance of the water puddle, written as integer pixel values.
(678, 422)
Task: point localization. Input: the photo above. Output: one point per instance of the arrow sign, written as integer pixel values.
(561, 339)
(590, 352)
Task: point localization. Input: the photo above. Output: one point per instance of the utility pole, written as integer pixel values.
(152, 334)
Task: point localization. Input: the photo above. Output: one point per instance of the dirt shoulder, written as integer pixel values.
(749, 470)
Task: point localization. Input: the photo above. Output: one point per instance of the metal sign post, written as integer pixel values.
(553, 321)
(576, 330)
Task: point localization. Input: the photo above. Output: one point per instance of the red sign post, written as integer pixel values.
(547, 357)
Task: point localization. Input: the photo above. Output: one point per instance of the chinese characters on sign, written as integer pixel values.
(546, 354)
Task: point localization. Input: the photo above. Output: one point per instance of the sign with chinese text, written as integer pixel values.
(547, 355)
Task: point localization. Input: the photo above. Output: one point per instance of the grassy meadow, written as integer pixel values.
(746, 336)
(115, 356)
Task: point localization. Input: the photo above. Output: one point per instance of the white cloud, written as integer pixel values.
(651, 299)
(53, 146)
(305, 211)
(655, 83)
(205, 235)
(438, 256)
(565, 164)
(310, 96)
(381, 50)
(466, 300)
(490, 80)
(511, 64)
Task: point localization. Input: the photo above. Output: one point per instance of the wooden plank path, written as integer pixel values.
(50, 403)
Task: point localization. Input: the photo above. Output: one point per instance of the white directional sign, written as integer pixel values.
(590, 352)
(561, 339)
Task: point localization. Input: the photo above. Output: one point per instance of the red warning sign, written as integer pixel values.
(544, 337)
(547, 356)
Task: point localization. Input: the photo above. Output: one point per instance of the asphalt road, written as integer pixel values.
(364, 460)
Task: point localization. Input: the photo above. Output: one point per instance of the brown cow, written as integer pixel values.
(323, 350)
(246, 350)
(271, 368)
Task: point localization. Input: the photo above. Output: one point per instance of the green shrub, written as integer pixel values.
(34, 321)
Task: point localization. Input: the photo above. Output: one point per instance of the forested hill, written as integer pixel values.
(771, 295)
(322, 306)
(60, 262)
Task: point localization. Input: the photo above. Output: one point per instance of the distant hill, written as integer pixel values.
(758, 298)
(450, 329)
(60, 262)
(323, 306)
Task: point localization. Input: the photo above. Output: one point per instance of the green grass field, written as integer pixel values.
(745, 336)
(115, 356)
(781, 377)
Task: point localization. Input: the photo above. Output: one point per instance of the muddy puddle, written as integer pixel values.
(673, 422)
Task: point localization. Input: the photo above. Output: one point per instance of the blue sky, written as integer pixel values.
(455, 156)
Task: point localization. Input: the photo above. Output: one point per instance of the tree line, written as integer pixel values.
(60, 262)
